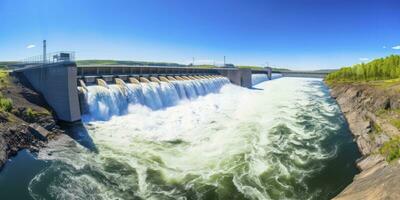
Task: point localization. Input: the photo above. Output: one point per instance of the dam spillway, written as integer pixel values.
(58, 82)
(100, 102)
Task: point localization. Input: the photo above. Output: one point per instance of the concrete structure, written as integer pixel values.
(266, 70)
(90, 73)
(304, 74)
(57, 83)
(241, 77)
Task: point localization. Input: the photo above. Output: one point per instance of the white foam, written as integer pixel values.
(195, 142)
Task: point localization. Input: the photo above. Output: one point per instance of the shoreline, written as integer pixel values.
(359, 103)
(30, 123)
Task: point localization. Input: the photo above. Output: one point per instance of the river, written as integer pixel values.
(283, 139)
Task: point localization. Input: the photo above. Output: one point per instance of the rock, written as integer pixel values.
(3, 117)
(15, 134)
(33, 149)
(3, 152)
(377, 183)
(38, 131)
(380, 139)
(363, 143)
(12, 129)
(360, 103)
(370, 161)
(13, 151)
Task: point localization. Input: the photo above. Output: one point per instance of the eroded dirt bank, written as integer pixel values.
(28, 123)
(373, 114)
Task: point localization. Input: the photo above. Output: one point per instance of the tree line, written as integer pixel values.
(378, 69)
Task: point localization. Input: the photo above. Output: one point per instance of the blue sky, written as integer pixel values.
(299, 34)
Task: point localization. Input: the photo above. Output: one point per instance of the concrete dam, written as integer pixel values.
(75, 91)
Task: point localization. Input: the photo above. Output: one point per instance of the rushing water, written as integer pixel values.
(203, 139)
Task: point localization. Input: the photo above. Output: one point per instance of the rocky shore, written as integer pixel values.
(372, 112)
(29, 124)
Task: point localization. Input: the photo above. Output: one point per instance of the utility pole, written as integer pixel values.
(44, 62)
(193, 61)
(224, 61)
(44, 51)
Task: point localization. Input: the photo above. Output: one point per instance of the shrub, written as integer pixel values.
(30, 114)
(6, 104)
(396, 123)
(391, 149)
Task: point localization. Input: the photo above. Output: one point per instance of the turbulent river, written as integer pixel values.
(200, 139)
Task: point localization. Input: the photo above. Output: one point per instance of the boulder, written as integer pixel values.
(38, 131)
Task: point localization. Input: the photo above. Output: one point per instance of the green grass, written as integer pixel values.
(383, 112)
(30, 114)
(391, 149)
(392, 116)
(6, 104)
(249, 67)
(384, 83)
(4, 78)
(376, 128)
(204, 66)
(380, 84)
(396, 123)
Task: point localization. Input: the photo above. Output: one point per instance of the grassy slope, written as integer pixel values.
(6, 104)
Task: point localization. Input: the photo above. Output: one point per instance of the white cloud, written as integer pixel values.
(30, 46)
(363, 59)
(396, 47)
(384, 47)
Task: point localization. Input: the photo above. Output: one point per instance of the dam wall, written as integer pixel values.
(57, 83)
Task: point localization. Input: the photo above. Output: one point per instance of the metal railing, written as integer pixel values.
(54, 57)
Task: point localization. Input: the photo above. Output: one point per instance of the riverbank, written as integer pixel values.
(372, 110)
(26, 121)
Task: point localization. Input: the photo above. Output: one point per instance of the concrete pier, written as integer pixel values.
(241, 77)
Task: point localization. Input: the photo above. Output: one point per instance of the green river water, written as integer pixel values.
(284, 139)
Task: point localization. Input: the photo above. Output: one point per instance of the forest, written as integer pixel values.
(378, 69)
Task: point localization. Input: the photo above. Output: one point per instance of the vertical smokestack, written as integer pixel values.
(44, 51)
